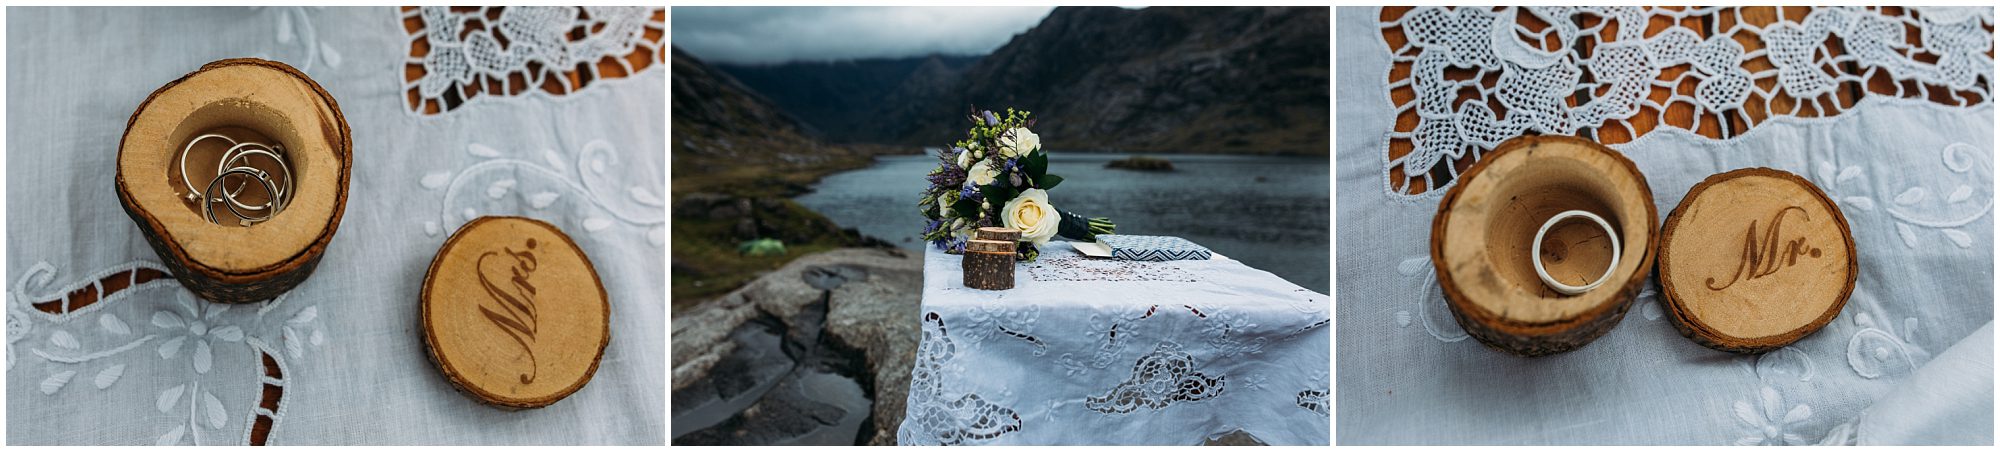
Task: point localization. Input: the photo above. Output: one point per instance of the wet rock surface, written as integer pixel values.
(815, 353)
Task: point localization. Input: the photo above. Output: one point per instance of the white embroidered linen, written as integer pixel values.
(1913, 177)
(340, 359)
(1085, 351)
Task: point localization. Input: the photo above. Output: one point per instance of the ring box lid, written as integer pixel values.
(1755, 259)
(513, 312)
(989, 246)
(997, 233)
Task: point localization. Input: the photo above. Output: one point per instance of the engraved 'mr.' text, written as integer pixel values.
(1762, 257)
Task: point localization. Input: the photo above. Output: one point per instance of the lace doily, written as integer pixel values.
(1464, 79)
(458, 55)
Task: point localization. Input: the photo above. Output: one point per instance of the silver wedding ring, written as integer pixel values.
(209, 199)
(1536, 254)
(236, 162)
(257, 149)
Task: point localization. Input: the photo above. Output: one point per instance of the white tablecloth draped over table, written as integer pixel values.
(1090, 351)
(1911, 350)
(151, 365)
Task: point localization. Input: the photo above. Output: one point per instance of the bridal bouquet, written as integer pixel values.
(998, 176)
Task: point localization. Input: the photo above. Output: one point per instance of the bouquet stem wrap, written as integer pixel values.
(1077, 227)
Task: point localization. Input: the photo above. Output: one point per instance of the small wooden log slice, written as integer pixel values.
(1755, 259)
(988, 264)
(997, 233)
(256, 98)
(989, 246)
(1485, 227)
(514, 313)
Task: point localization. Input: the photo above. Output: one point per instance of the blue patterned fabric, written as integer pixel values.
(1153, 248)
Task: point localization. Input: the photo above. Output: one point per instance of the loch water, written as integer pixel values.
(1270, 212)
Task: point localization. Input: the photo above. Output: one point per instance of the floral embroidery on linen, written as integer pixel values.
(1877, 350)
(1966, 174)
(1159, 379)
(201, 326)
(1769, 422)
(1224, 328)
(1785, 365)
(1430, 307)
(461, 55)
(295, 25)
(1111, 332)
(937, 418)
(641, 206)
(63, 305)
(1648, 300)
(210, 326)
(1461, 80)
(91, 343)
(1002, 319)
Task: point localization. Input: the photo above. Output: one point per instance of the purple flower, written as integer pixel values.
(969, 191)
(990, 119)
(948, 176)
(948, 243)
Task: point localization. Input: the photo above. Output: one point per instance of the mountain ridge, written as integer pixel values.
(1231, 80)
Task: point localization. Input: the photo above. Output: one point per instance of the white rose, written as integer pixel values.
(1031, 213)
(981, 173)
(964, 157)
(1019, 141)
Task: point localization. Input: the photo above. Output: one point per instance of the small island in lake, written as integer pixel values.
(1141, 163)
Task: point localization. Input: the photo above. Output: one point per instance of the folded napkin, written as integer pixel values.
(1153, 248)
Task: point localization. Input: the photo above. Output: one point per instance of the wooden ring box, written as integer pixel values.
(1755, 259)
(988, 263)
(514, 314)
(1486, 224)
(266, 99)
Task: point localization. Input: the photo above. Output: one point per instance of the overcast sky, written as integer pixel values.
(766, 35)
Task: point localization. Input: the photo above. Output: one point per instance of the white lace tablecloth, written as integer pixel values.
(339, 359)
(1085, 351)
(1888, 111)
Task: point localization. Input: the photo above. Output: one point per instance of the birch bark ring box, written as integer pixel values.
(252, 98)
(1755, 259)
(513, 313)
(1485, 229)
(988, 263)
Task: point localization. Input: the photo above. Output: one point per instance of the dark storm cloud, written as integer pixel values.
(761, 35)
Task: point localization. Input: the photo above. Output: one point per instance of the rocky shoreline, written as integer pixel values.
(753, 366)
